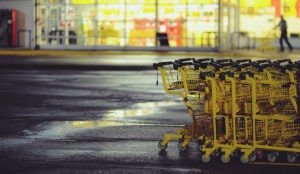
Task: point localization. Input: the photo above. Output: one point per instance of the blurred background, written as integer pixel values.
(202, 25)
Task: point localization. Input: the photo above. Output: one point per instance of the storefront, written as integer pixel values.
(158, 24)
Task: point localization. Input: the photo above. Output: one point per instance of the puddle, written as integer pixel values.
(140, 109)
(89, 124)
(60, 129)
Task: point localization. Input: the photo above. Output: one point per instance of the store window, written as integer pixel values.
(140, 23)
(267, 14)
(130, 23)
(110, 23)
(80, 23)
(172, 21)
(202, 23)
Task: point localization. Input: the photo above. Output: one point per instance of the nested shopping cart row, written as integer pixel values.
(238, 107)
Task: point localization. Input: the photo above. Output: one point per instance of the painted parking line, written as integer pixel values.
(64, 53)
(275, 164)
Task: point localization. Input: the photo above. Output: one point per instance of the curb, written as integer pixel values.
(59, 53)
(86, 53)
(74, 67)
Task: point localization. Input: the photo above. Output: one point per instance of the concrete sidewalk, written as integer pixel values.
(117, 60)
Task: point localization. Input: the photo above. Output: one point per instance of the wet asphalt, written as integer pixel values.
(56, 121)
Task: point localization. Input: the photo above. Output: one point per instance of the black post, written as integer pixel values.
(36, 47)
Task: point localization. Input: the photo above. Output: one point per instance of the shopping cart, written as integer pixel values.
(175, 83)
(237, 107)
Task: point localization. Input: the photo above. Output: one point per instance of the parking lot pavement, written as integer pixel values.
(75, 121)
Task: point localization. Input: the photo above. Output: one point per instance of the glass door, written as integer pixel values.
(171, 17)
(140, 23)
(56, 21)
(231, 32)
(111, 23)
(202, 23)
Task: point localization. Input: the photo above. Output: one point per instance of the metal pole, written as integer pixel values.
(237, 20)
(29, 32)
(36, 47)
(157, 21)
(228, 23)
(125, 26)
(95, 20)
(66, 33)
(186, 23)
(220, 48)
(18, 40)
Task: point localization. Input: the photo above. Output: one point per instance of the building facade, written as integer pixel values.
(202, 25)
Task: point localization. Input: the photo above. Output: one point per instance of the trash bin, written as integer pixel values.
(163, 39)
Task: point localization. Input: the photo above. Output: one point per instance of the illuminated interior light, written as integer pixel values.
(83, 1)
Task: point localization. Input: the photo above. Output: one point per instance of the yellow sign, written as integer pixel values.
(203, 1)
(255, 3)
(84, 1)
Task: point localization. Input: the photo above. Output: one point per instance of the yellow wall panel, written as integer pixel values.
(203, 1)
(84, 1)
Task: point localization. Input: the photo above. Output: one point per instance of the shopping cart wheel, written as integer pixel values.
(243, 160)
(200, 148)
(162, 147)
(272, 157)
(291, 157)
(225, 161)
(216, 153)
(182, 149)
(252, 157)
(204, 159)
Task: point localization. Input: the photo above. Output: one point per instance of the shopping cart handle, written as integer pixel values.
(239, 67)
(297, 64)
(268, 65)
(262, 61)
(160, 64)
(222, 75)
(243, 61)
(200, 65)
(217, 66)
(225, 64)
(206, 73)
(243, 75)
(282, 61)
(289, 67)
(176, 65)
(224, 61)
(184, 60)
(204, 60)
(264, 66)
(258, 62)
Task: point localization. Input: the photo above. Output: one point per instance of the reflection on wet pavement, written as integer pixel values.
(140, 109)
(90, 124)
(119, 117)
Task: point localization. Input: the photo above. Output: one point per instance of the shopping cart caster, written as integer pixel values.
(272, 156)
(225, 161)
(252, 157)
(243, 160)
(216, 153)
(291, 157)
(204, 159)
(259, 154)
(182, 149)
(200, 144)
(162, 147)
(200, 148)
